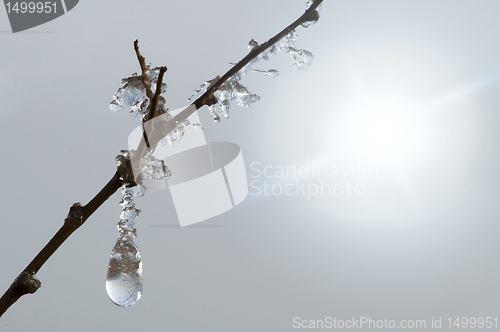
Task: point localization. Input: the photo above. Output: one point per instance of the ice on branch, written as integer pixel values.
(154, 168)
(233, 90)
(124, 282)
(133, 93)
(138, 190)
(316, 18)
(301, 59)
(203, 88)
(309, 4)
(176, 135)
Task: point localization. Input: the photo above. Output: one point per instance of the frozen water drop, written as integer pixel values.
(301, 59)
(114, 106)
(252, 44)
(213, 112)
(138, 190)
(124, 281)
(272, 73)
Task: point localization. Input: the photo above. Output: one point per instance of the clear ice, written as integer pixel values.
(124, 279)
(154, 168)
(301, 59)
(233, 90)
(132, 93)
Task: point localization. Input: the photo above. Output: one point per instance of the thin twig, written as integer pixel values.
(144, 70)
(153, 110)
(26, 282)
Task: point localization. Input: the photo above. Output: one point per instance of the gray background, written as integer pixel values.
(421, 243)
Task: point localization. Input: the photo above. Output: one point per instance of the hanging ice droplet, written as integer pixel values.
(197, 126)
(301, 59)
(270, 72)
(213, 112)
(252, 44)
(124, 280)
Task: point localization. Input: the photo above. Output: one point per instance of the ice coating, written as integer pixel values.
(301, 59)
(309, 4)
(318, 9)
(132, 93)
(154, 168)
(203, 88)
(233, 90)
(176, 135)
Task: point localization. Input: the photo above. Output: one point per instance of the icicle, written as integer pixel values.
(124, 282)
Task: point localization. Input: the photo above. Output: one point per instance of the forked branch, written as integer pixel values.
(26, 282)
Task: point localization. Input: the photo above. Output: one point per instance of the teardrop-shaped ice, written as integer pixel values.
(124, 280)
(301, 59)
(272, 73)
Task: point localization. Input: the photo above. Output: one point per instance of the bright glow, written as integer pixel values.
(382, 133)
(382, 130)
(399, 111)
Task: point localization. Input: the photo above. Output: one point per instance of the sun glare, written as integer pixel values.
(383, 131)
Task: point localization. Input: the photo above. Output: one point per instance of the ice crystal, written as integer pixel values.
(176, 135)
(233, 90)
(132, 93)
(154, 168)
(203, 88)
(129, 212)
(213, 112)
(301, 59)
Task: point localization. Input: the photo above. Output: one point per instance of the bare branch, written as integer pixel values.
(26, 282)
(311, 14)
(208, 98)
(153, 110)
(144, 70)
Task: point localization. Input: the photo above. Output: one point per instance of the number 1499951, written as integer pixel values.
(31, 7)
(473, 322)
